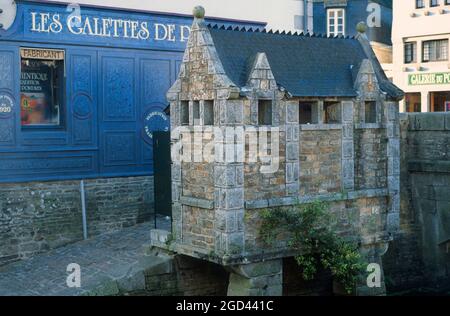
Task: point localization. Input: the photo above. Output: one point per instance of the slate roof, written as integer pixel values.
(306, 66)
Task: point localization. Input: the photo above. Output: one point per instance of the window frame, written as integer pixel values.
(373, 104)
(326, 119)
(270, 104)
(62, 110)
(413, 52)
(436, 52)
(335, 32)
(184, 113)
(434, 3)
(420, 4)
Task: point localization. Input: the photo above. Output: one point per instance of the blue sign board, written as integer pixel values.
(108, 72)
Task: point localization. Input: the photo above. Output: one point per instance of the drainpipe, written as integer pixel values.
(83, 209)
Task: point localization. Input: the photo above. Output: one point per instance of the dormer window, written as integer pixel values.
(196, 112)
(370, 112)
(208, 112)
(336, 22)
(332, 112)
(265, 112)
(184, 113)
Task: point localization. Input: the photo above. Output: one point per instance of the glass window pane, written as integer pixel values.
(41, 92)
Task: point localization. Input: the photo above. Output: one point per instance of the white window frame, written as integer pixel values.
(334, 32)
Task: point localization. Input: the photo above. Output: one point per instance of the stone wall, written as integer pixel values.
(415, 259)
(198, 180)
(259, 185)
(371, 159)
(320, 161)
(38, 216)
(198, 227)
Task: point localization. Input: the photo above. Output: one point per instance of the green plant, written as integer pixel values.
(308, 229)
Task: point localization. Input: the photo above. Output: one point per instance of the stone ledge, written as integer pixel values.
(370, 126)
(320, 127)
(195, 202)
(437, 166)
(286, 201)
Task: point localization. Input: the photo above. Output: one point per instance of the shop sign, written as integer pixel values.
(154, 120)
(45, 54)
(429, 79)
(106, 27)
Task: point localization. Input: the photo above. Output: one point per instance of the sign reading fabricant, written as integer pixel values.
(45, 54)
(429, 79)
(6, 105)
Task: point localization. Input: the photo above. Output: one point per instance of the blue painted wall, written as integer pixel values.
(115, 90)
(356, 11)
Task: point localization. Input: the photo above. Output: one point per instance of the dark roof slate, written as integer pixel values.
(306, 66)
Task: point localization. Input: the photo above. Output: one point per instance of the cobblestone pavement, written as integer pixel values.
(110, 264)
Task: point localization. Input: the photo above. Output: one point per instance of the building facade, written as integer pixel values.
(339, 18)
(421, 34)
(81, 92)
(334, 136)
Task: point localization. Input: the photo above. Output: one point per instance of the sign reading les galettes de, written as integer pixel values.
(86, 23)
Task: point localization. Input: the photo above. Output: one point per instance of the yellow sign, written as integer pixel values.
(38, 53)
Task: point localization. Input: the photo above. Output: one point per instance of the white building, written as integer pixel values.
(421, 65)
(288, 15)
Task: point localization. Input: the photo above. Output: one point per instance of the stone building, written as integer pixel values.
(334, 114)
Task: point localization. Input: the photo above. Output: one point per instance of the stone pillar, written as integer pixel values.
(348, 151)
(393, 168)
(257, 279)
(229, 181)
(292, 149)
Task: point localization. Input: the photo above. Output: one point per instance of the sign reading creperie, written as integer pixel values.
(429, 79)
(38, 53)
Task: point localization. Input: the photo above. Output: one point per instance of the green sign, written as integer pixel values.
(427, 79)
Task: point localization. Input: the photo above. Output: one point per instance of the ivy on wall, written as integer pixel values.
(309, 231)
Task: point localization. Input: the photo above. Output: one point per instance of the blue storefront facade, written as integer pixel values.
(109, 70)
(81, 92)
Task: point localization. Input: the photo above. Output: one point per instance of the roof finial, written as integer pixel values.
(361, 27)
(199, 12)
